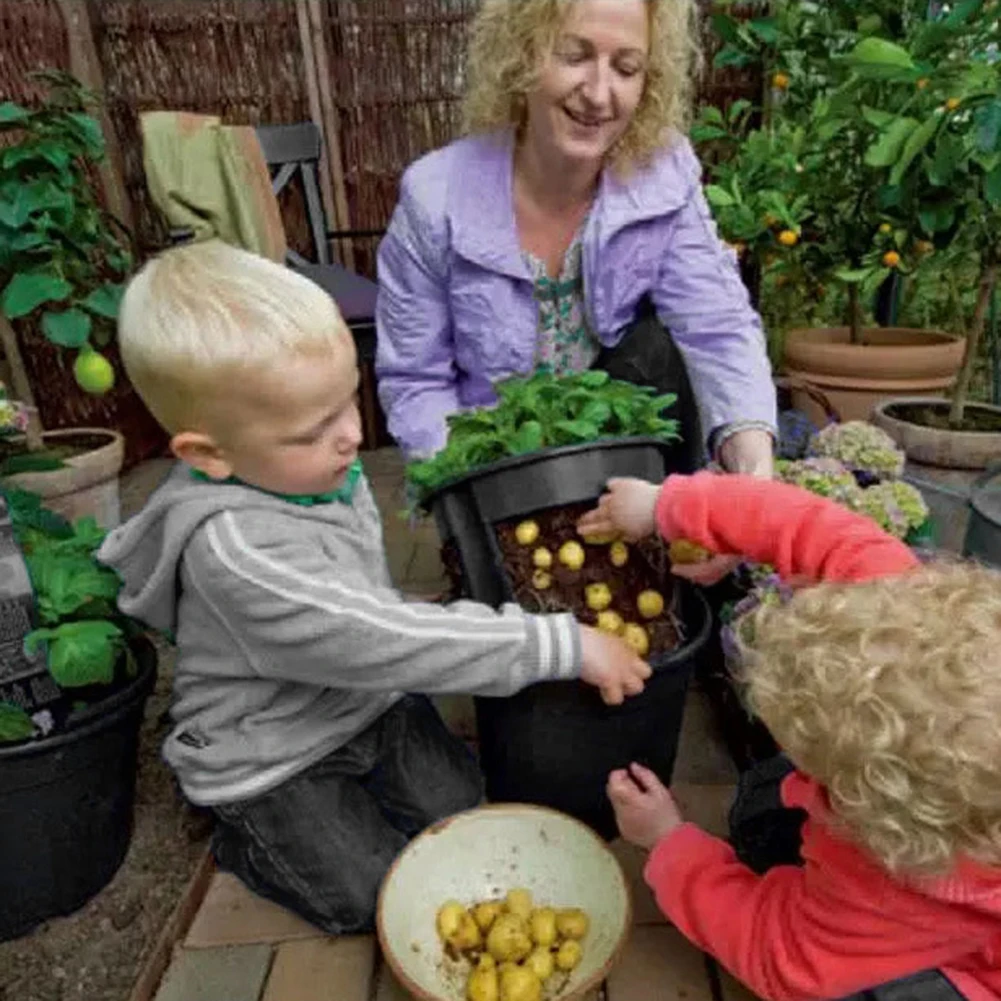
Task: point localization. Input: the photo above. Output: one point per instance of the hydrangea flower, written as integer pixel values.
(824, 476)
(862, 446)
(13, 415)
(897, 507)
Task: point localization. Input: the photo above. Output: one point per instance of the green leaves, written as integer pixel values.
(26, 292)
(992, 187)
(69, 329)
(885, 151)
(15, 723)
(79, 653)
(916, 142)
(880, 54)
(543, 411)
(104, 300)
(988, 121)
(13, 114)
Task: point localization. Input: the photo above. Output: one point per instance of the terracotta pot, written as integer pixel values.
(890, 362)
(939, 446)
(88, 483)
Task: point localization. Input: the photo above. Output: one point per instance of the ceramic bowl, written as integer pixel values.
(480, 855)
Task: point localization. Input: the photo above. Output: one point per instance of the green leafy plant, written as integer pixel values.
(61, 258)
(80, 628)
(543, 411)
(878, 150)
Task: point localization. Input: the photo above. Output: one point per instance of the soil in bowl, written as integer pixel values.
(936, 415)
(646, 569)
(66, 447)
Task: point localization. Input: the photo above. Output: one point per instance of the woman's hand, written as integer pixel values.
(626, 509)
(749, 451)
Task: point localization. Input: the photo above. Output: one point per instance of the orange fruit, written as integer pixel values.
(924, 246)
(922, 83)
(780, 81)
(788, 238)
(891, 259)
(885, 228)
(93, 372)
(952, 104)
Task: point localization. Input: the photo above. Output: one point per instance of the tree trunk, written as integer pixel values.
(988, 281)
(855, 313)
(21, 384)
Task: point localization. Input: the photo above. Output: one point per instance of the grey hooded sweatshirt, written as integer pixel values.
(291, 638)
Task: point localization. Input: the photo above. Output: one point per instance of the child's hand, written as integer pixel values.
(611, 666)
(707, 572)
(627, 509)
(644, 809)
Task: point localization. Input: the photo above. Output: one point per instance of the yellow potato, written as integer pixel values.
(483, 983)
(571, 555)
(508, 939)
(598, 538)
(650, 604)
(569, 955)
(618, 553)
(572, 922)
(610, 622)
(598, 596)
(486, 914)
(520, 984)
(542, 558)
(449, 917)
(467, 936)
(541, 962)
(542, 926)
(636, 636)
(527, 533)
(542, 580)
(519, 903)
(686, 551)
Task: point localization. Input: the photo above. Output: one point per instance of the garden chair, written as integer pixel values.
(295, 149)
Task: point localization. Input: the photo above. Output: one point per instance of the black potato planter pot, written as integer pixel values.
(555, 743)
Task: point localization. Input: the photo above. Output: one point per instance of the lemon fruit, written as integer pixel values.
(527, 533)
(636, 637)
(571, 555)
(598, 597)
(93, 372)
(650, 604)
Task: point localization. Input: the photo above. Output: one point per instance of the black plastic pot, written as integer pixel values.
(66, 807)
(555, 743)
(983, 531)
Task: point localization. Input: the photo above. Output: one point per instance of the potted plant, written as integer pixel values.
(71, 703)
(61, 266)
(838, 218)
(506, 492)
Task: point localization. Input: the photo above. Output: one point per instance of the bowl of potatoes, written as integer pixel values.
(506, 902)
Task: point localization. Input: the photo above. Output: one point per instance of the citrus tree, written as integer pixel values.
(62, 259)
(877, 117)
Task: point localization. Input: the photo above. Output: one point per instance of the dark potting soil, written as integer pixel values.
(647, 569)
(66, 447)
(936, 415)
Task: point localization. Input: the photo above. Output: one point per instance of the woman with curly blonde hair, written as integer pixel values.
(568, 229)
(882, 685)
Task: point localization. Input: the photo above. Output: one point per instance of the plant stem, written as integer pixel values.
(988, 281)
(855, 314)
(21, 383)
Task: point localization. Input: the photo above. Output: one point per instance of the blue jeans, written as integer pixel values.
(320, 843)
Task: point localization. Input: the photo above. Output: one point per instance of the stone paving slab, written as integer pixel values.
(323, 969)
(235, 973)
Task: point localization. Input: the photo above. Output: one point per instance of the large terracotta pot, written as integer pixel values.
(88, 483)
(890, 362)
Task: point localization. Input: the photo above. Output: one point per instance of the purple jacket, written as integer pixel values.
(456, 310)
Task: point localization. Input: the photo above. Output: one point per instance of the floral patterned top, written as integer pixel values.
(565, 341)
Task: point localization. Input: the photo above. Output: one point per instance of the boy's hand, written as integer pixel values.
(611, 666)
(626, 509)
(644, 809)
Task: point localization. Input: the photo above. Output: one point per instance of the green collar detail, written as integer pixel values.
(344, 493)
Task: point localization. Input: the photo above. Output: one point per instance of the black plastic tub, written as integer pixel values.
(554, 744)
(983, 531)
(66, 807)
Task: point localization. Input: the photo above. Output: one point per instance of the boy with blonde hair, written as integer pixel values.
(263, 554)
(882, 684)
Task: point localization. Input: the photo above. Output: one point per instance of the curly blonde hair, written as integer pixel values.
(511, 38)
(889, 693)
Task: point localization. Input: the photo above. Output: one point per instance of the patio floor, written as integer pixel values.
(242, 948)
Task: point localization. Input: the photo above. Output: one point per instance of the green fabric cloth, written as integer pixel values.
(212, 179)
(344, 493)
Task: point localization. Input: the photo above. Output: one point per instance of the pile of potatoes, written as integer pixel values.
(514, 947)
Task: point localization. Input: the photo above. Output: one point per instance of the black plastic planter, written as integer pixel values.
(983, 532)
(554, 744)
(66, 807)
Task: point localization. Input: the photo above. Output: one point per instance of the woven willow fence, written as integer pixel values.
(381, 78)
